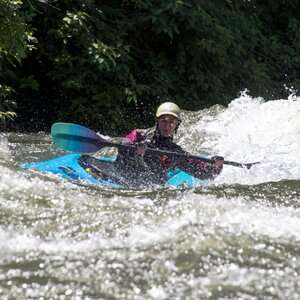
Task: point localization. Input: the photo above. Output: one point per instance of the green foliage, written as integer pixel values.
(15, 41)
(108, 64)
(5, 104)
(7, 115)
(15, 37)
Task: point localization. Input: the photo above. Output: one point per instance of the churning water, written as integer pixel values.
(238, 238)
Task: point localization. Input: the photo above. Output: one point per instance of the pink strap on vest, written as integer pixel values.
(134, 136)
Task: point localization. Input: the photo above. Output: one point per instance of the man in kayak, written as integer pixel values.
(137, 163)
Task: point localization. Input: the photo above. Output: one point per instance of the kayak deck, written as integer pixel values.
(73, 167)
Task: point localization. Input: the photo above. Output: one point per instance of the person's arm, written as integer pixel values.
(132, 138)
(197, 168)
(204, 170)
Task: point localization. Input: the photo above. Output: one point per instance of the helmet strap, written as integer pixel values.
(179, 122)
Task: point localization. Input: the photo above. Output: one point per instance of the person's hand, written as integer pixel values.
(140, 149)
(165, 161)
(218, 162)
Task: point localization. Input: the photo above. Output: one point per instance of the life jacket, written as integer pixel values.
(151, 138)
(158, 164)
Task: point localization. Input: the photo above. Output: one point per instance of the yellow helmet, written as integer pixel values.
(168, 108)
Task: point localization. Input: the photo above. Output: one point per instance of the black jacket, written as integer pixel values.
(155, 166)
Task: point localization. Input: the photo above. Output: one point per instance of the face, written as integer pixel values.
(167, 125)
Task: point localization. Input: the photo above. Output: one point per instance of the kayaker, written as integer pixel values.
(138, 161)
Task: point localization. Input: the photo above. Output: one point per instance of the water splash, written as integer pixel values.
(226, 241)
(4, 149)
(251, 130)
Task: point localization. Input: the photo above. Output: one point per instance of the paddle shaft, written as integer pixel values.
(100, 143)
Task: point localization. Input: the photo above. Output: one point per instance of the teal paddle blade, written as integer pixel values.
(75, 138)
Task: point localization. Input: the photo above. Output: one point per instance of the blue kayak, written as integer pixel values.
(74, 168)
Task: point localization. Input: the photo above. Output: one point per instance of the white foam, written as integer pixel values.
(210, 215)
(251, 130)
(4, 150)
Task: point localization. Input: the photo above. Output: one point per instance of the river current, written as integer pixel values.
(238, 238)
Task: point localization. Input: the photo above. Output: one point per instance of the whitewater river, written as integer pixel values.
(238, 238)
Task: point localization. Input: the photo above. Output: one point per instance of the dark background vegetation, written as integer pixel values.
(108, 64)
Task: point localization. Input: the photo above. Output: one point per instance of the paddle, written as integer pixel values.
(80, 139)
